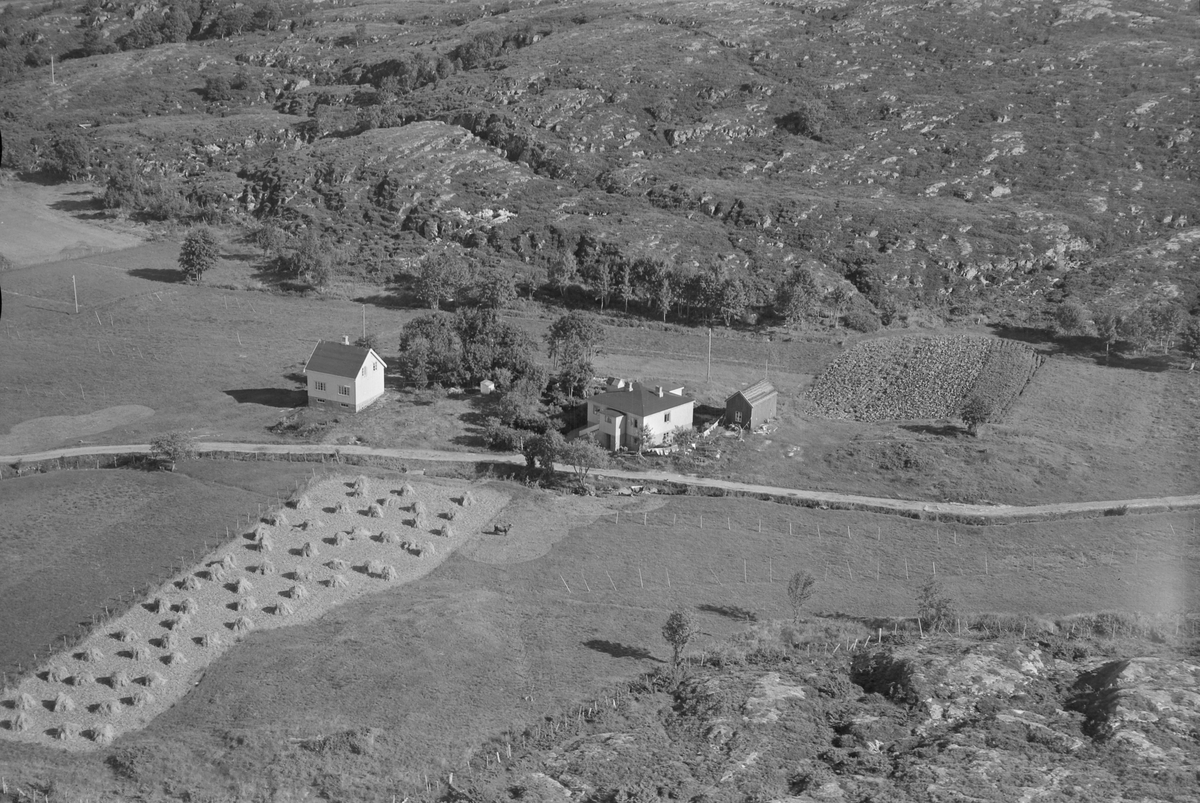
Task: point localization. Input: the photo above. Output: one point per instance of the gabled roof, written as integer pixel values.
(757, 392)
(338, 359)
(641, 401)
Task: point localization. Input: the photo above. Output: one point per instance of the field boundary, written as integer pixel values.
(977, 515)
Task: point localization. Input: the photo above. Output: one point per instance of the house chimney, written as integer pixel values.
(658, 391)
(345, 340)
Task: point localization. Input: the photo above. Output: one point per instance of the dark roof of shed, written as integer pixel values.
(331, 357)
(759, 391)
(640, 401)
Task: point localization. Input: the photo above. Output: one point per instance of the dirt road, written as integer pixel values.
(942, 511)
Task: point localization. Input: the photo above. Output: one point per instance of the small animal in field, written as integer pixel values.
(502, 529)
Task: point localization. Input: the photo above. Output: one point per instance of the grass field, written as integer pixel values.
(488, 643)
(75, 541)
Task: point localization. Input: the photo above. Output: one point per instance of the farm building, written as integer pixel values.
(635, 415)
(753, 406)
(342, 375)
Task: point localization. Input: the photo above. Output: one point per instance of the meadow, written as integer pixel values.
(501, 636)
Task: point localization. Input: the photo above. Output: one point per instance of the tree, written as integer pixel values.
(69, 156)
(799, 591)
(599, 277)
(1138, 328)
(217, 88)
(1165, 323)
(1189, 339)
(563, 273)
(431, 351)
(310, 259)
(625, 287)
(977, 410)
(679, 629)
(542, 451)
(172, 447)
(490, 345)
(796, 297)
(665, 291)
(198, 254)
(368, 341)
(574, 338)
(935, 608)
(1072, 319)
(1108, 321)
(496, 288)
(440, 279)
(583, 455)
(734, 300)
(838, 299)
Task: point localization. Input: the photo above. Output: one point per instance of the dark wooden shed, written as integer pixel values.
(753, 406)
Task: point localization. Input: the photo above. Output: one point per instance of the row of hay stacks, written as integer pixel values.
(292, 567)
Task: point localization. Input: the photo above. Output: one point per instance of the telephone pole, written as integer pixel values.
(710, 354)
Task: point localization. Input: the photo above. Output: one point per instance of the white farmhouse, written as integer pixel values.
(633, 415)
(345, 376)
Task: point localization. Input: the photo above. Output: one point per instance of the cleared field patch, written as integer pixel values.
(921, 377)
(484, 645)
(32, 230)
(73, 541)
(292, 567)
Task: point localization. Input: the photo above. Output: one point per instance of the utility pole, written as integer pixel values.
(364, 321)
(51, 68)
(710, 353)
(76, 293)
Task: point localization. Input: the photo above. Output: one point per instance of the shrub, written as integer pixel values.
(198, 254)
(935, 609)
(861, 321)
(172, 447)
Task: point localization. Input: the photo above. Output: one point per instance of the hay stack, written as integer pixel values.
(343, 507)
(419, 508)
(407, 490)
(375, 511)
(189, 606)
(449, 515)
(174, 659)
(103, 734)
(361, 486)
(466, 500)
(302, 573)
(340, 539)
(301, 502)
(389, 573)
(138, 653)
(158, 605)
(119, 679)
(22, 722)
(390, 501)
(446, 531)
(154, 681)
(375, 568)
(389, 537)
(338, 581)
(63, 704)
(83, 679)
(228, 562)
(27, 702)
(210, 640)
(108, 708)
(141, 698)
(169, 641)
(260, 532)
(127, 635)
(179, 622)
(277, 519)
(217, 574)
(266, 567)
(246, 604)
(298, 592)
(56, 674)
(309, 550)
(266, 545)
(359, 533)
(64, 732)
(283, 609)
(243, 624)
(338, 565)
(91, 655)
(242, 586)
(189, 583)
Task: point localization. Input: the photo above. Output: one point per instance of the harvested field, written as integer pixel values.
(186, 624)
(919, 377)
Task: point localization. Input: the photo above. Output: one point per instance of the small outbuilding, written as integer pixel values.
(342, 375)
(752, 407)
(487, 387)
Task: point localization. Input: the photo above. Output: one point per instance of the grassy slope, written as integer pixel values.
(481, 646)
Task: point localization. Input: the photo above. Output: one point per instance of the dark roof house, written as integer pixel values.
(641, 400)
(753, 406)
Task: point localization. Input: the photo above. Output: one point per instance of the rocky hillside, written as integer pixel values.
(931, 720)
(952, 155)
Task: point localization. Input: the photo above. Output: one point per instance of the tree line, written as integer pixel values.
(1161, 323)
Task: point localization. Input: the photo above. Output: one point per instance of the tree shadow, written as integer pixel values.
(87, 204)
(618, 650)
(475, 419)
(269, 397)
(164, 275)
(939, 430)
(729, 612)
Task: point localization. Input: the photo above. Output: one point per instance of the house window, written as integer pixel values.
(737, 417)
(346, 405)
(318, 385)
(374, 367)
(343, 390)
(596, 409)
(635, 423)
(608, 419)
(666, 418)
(364, 370)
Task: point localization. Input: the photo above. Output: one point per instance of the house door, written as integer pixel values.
(608, 441)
